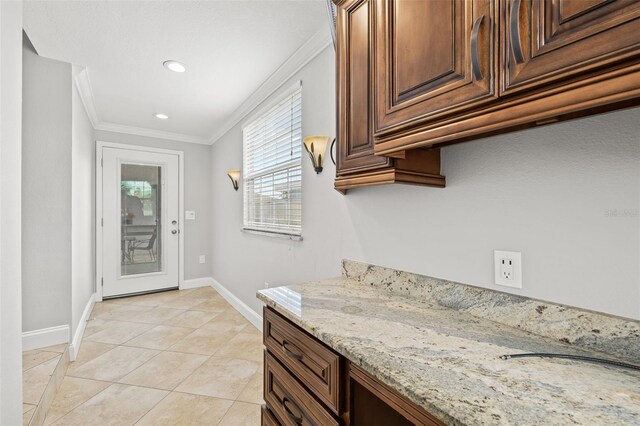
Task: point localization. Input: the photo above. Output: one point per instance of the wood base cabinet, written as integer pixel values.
(307, 383)
(268, 418)
(372, 403)
(415, 74)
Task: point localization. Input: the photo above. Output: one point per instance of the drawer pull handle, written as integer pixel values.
(475, 63)
(293, 355)
(514, 32)
(285, 406)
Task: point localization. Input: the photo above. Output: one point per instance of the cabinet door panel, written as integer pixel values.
(424, 45)
(432, 58)
(355, 151)
(548, 41)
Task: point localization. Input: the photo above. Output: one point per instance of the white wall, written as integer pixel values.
(46, 191)
(550, 192)
(197, 195)
(10, 221)
(82, 208)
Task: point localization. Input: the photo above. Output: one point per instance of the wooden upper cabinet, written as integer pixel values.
(357, 164)
(546, 41)
(433, 58)
(355, 139)
(416, 74)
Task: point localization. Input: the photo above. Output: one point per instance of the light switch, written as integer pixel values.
(190, 215)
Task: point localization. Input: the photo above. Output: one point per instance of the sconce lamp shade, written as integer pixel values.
(234, 175)
(316, 146)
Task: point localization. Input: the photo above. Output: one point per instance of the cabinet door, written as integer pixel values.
(546, 41)
(433, 58)
(355, 139)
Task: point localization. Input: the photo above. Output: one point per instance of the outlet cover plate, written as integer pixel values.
(514, 270)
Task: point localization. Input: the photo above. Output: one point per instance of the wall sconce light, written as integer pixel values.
(316, 147)
(234, 175)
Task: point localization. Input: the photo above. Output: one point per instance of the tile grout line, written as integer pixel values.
(165, 321)
(43, 362)
(176, 386)
(168, 350)
(80, 403)
(43, 405)
(225, 414)
(154, 406)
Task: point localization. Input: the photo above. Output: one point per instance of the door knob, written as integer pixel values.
(173, 222)
(174, 232)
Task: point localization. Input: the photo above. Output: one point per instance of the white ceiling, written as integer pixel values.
(230, 48)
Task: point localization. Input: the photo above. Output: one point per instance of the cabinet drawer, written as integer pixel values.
(268, 419)
(315, 365)
(290, 402)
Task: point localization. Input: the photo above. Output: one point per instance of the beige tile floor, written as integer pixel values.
(173, 358)
(37, 367)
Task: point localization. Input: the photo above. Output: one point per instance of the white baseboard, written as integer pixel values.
(44, 337)
(197, 282)
(74, 348)
(251, 315)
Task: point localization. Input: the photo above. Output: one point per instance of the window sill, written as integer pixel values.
(292, 237)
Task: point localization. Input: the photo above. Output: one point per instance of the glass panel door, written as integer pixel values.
(139, 228)
(140, 219)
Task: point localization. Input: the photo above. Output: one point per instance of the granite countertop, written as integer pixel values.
(448, 361)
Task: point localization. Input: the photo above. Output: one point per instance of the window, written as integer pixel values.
(143, 191)
(272, 171)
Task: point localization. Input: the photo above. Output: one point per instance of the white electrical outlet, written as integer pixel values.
(202, 258)
(508, 268)
(190, 215)
(266, 284)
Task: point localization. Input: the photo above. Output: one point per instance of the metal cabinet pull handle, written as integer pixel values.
(293, 355)
(514, 32)
(296, 419)
(475, 63)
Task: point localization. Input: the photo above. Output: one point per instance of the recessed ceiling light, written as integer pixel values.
(174, 66)
(161, 116)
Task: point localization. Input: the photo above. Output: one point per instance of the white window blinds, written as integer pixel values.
(272, 171)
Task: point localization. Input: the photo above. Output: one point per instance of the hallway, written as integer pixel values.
(178, 357)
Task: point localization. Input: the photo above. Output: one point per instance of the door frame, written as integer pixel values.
(99, 240)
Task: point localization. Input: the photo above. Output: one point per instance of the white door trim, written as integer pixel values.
(180, 154)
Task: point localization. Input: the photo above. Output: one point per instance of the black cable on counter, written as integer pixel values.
(574, 357)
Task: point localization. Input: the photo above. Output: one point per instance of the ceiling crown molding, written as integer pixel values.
(83, 84)
(151, 133)
(86, 96)
(301, 57)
